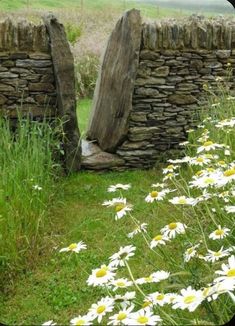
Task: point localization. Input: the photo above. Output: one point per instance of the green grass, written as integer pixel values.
(148, 9)
(83, 114)
(26, 162)
(57, 286)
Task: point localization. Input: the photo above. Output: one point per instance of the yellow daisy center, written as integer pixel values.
(72, 246)
(154, 194)
(160, 296)
(169, 175)
(217, 253)
(100, 309)
(148, 279)
(172, 226)
(219, 232)
(170, 167)
(210, 169)
(158, 237)
(121, 316)
(231, 272)
(206, 291)
(80, 322)
(182, 201)
(121, 284)
(119, 207)
(101, 272)
(199, 173)
(146, 304)
(142, 319)
(209, 181)
(190, 250)
(200, 160)
(221, 162)
(208, 143)
(229, 173)
(189, 299)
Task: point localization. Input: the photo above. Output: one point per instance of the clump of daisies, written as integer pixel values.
(188, 259)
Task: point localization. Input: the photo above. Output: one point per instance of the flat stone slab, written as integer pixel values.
(94, 158)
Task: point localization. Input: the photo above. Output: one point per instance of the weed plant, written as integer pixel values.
(27, 188)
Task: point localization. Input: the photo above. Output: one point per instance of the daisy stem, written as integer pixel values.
(133, 279)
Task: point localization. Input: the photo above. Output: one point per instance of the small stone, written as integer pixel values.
(18, 55)
(7, 75)
(30, 63)
(6, 88)
(162, 71)
(223, 54)
(146, 91)
(8, 63)
(40, 56)
(182, 99)
(3, 99)
(41, 87)
(150, 81)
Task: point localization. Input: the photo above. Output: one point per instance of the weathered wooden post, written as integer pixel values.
(113, 95)
(63, 64)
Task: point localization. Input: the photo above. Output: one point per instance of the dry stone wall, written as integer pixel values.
(37, 78)
(176, 60)
(26, 71)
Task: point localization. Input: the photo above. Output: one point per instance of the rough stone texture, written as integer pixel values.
(114, 88)
(31, 56)
(24, 48)
(93, 158)
(63, 64)
(176, 60)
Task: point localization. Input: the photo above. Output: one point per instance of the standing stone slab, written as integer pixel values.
(63, 64)
(113, 95)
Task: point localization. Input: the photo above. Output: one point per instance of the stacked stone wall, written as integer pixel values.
(26, 71)
(176, 61)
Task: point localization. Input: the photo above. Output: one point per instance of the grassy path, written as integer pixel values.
(56, 288)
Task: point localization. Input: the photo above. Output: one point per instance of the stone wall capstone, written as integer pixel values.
(176, 60)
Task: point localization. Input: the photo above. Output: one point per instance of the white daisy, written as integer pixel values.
(189, 299)
(75, 247)
(124, 253)
(182, 200)
(205, 181)
(199, 161)
(226, 123)
(120, 283)
(170, 176)
(155, 277)
(216, 255)
(158, 185)
(143, 317)
(138, 229)
(118, 186)
(125, 299)
(190, 252)
(49, 323)
(121, 317)
(121, 206)
(37, 187)
(158, 240)
(224, 286)
(101, 276)
(228, 271)
(230, 209)
(81, 320)
(170, 168)
(173, 228)
(208, 146)
(158, 298)
(98, 310)
(156, 196)
(219, 233)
